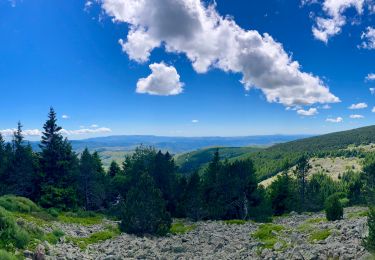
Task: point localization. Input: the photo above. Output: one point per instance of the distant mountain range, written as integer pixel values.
(115, 147)
(176, 144)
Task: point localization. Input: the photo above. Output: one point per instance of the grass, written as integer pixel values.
(77, 218)
(235, 222)
(267, 234)
(181, 228)
(18, 204)
(83, 242)
(319, 235)
(315, 220)
(54, 236)
(358, 214)
(4, 255)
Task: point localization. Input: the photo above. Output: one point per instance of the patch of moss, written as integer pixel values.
(267, 234)
(181, 228)
(235, 222)
(319, 235)
(83, 242)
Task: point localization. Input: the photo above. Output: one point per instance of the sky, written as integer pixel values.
(188, 67)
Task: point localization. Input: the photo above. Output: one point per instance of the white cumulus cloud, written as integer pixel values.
(335, 120)
(164, 81)
(27, 132)
(358, 106)
(65, 117)
(210, 40)
(309, 112)
(334, 10)
(356, 116)
(101, 130)
(370, 77)
(368, 38)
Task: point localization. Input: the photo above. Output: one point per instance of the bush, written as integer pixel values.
(11, 235)
(4, 255)
(18, 204)
(369, 241)
(53, 212)
(267, 234)
(144, 209)
(333, 207)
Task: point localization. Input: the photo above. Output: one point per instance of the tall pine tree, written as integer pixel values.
(59, 165)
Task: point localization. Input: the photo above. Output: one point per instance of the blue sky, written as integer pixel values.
(67, 54)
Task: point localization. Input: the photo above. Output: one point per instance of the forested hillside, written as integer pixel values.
(275, 158)
(192, 161)
(147, 191)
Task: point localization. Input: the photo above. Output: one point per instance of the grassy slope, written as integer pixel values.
(189, 162)
(270, 161)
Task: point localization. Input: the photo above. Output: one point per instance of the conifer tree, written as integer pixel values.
(301, 172)
(22, 174)
(59, 165)
(144, 209)
(114, 169)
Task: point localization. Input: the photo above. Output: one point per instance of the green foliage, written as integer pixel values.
(333, 208)
(144, 209)
(81, 217)
(193, 161)
(354, 185)
(319, 235)
(83, 242)
(54, 236)
(267, 234)
(18, 204)
(62, 198)
(59, 167)
(369, 241)
(91, 181)
(282, 193)
(320, 187)
(181, 228)
(4, 255)
(235, 222)
(11, 235)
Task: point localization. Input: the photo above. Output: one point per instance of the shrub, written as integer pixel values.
(235, 222)
(267, 234)
(4, 255)
(181, 228)
(369, 241)
(18, 204)
(54, 236)
(53, 212)
(11, 235)
(144, 209)
(333, 208)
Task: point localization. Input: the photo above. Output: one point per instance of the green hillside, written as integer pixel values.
(189, 162)
(272, 160)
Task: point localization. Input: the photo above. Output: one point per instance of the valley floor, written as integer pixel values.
(296, 236)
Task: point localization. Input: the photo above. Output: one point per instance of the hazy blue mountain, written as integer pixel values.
(174, 144)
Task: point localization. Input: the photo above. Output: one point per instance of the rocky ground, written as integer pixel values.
(298, 236)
